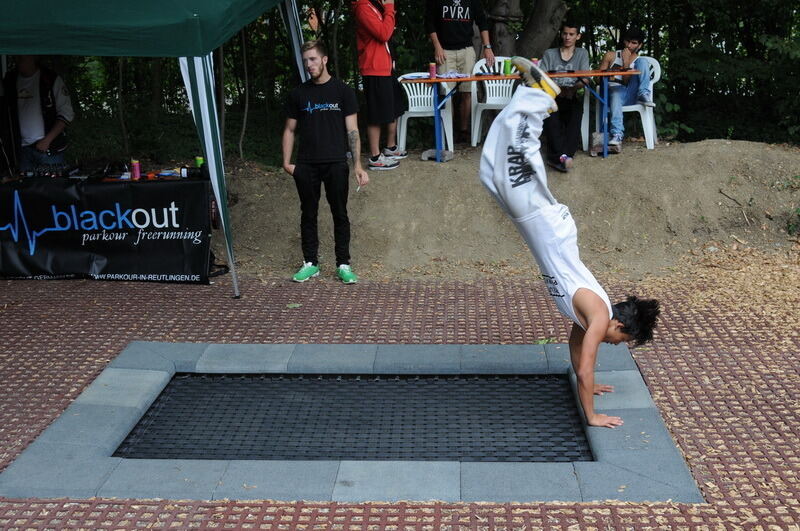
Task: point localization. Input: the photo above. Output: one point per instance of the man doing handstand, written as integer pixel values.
(512, 169)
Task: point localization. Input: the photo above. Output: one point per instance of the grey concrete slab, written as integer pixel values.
(142, 355)
(503, 359)
(359, 481)
(665, 465)
(603, 481)
(558, 361)
(615, 358)
(48, 470)
(125, 387)
(252, 358)
(103, 427)
(328, 359)
(519, 482)
(630, 391)
(278, 480)
(183, 356)
(642, 429)
(636, 462)
(174, 479)
(418, 359)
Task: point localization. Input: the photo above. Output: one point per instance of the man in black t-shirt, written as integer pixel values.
(449, 23)
(324, 110)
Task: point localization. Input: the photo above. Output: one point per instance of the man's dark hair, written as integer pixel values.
(633, 34)
(638, 317)
(570, 23)
(311, 45)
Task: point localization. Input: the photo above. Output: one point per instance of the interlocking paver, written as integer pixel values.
(725, 384)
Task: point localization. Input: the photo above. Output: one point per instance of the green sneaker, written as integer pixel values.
(307, 271)
(346, 274)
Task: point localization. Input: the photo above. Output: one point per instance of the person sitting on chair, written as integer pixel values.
(626, 90)
(562, 129)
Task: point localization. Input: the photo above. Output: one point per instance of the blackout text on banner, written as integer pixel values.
(151, 231)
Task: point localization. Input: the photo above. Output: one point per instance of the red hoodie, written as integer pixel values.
(373, 31)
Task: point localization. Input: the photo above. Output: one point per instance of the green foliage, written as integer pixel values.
(793, 223)
(667, 117)
(729, 70)
(792, 183)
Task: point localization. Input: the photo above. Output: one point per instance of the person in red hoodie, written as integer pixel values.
(375, 22)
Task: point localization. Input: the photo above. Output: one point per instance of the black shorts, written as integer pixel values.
(386, 99)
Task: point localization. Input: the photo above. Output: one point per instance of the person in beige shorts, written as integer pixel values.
(449, 23)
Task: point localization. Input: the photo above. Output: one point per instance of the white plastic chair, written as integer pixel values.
(420, 105)
(498, 93)
(645, 112)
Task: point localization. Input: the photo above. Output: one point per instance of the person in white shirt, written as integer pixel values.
(38, 115)
(512, 170)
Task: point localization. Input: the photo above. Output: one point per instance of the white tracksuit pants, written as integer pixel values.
(513, 171)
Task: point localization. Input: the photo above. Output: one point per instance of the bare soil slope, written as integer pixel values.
(637, 212)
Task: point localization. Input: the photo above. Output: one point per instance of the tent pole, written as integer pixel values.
(291, 17)
(198, 76)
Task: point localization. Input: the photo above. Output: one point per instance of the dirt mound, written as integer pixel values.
(636, 212)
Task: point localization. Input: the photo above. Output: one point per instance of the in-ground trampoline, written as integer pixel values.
(353, 423)
(529, 418)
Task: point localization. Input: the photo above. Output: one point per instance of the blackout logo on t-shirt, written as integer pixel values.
(456, 12)
(311, 107)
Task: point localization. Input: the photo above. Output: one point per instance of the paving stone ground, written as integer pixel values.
(726, 384)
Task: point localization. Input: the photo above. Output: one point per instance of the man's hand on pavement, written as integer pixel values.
(604, 421)
(599, 389)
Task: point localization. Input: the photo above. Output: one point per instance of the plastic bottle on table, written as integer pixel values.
(136, 170)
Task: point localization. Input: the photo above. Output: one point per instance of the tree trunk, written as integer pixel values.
(156, 89)
(505, 12)
(219, 77)
(246, 91)
(541, 28)
(335, 39)
(125, 144)
(270, 67)
(680, 39)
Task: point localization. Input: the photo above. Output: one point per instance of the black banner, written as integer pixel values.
(152, 231)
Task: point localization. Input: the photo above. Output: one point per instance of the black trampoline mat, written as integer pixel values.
(519, 418)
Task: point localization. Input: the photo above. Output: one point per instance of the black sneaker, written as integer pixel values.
(646, 99)
(559, 166)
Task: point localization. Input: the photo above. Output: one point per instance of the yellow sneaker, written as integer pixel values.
(535, 77)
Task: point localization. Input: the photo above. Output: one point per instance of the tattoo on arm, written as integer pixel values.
(355, 145)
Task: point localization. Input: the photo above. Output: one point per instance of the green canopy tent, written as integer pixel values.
(187, 29)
